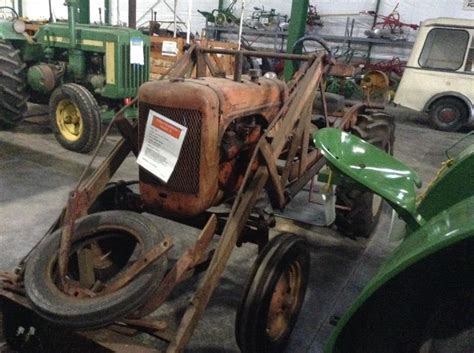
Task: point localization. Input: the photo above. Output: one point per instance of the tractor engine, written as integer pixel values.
(224, 121)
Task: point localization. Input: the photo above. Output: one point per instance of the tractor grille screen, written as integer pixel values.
(134, 75)
(185, 177)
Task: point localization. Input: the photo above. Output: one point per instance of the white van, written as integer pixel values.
(439, 78)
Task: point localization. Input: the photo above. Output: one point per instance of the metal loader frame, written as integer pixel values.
(287, 137)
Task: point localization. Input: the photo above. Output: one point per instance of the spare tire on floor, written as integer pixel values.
(116, 239)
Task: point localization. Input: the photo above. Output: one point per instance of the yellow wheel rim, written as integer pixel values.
(69, 120)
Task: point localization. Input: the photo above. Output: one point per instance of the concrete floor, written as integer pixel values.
(36, 175)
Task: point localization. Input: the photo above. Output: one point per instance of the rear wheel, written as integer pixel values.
(75, 118)
(359, 209)
(448, 114)
(13, 94)
(273, 295)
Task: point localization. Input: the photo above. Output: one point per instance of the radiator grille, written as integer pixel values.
(134, 75)
(185, 177)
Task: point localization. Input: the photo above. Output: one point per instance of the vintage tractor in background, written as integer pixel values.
(216, 153)
(85, 72)
(422, 298)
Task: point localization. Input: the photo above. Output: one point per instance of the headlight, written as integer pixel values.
(19, 26)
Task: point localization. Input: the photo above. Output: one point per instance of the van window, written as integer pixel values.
(444, 49)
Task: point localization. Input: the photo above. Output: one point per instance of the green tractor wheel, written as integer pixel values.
(359, 208)
(13, 95)
(75, 118)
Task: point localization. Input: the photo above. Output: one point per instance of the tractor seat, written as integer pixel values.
(370, 167)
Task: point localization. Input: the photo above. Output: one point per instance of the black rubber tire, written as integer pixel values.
(378, 129)
(251, 319)
(13, 92)
(316, 39)
(90, 113)
(113, 197)
(458, 108)
(55, 306)
(451, 326)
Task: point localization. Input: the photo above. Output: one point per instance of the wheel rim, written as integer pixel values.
(69, 120)
(94, 263)
(284, 302)
(447, 115)
(376, 86)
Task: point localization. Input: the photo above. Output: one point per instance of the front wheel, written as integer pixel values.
(75, 118)
(273, 295)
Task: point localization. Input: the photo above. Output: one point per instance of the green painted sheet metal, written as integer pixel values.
(299, 14)
(447, 228)
(373, 168)
(122, 79)
(454, 183)
(56, 34)
(7, 32)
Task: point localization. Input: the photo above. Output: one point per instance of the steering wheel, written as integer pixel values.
(300, 43)
(11, 9)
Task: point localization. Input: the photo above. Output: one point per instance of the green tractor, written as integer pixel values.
(422, 298)
(85, 72)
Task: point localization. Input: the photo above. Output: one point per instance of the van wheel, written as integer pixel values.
(448, 114)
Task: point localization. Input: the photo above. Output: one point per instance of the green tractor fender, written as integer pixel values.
(430, 262)
(8, 33)
(374, 169)
(434, 259)
(454, 182)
